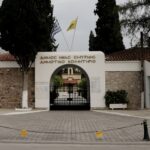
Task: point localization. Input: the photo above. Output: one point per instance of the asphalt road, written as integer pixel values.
(4, 146)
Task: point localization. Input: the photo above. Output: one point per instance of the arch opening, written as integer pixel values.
(69, 88)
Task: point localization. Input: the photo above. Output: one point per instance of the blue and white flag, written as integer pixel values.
(56, 29)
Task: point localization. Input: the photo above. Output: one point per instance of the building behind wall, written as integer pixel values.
(123, 71)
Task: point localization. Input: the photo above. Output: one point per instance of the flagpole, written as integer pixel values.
(57, 29)
(73, 37)
(64, 38)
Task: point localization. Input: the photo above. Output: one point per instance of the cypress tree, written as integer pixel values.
(91, 41)
(25, 29)
(108, 35)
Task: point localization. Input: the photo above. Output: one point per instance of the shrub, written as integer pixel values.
(116, 97)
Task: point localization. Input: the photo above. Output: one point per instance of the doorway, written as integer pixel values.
(69, 89)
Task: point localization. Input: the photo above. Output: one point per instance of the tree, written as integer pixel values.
(108, 36)
(91, 42)
(57, 81)
(25, 28)
(82, 86)
(136, 18)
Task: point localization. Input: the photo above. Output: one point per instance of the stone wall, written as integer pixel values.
(11, 88)
(129, 81)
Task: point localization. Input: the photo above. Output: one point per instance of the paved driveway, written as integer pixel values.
(71, 127)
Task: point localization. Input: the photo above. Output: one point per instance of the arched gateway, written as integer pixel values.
(69, 80)
(69, 88)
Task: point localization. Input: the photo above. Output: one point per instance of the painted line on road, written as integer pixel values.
(121, 114)
(25, 112)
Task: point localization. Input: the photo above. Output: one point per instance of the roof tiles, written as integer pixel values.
(130, 54)
(6, 57)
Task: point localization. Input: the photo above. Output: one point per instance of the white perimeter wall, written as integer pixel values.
(8, 64)
(123, 66)
(147, 83)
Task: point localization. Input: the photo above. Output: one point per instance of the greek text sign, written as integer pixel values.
(68, 59)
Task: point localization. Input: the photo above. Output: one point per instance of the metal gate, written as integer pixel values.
(69, 88)
(69, 98)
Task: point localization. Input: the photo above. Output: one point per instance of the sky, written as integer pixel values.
(67, 10)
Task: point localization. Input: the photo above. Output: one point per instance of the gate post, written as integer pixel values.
(146, 135)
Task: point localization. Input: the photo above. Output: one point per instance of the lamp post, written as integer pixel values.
(143, 105)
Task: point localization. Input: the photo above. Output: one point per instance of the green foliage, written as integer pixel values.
(25, 28)
(108, 36)
(91, 42)
(57, 81)
(116, 97)
(135, 18)
(82, 86)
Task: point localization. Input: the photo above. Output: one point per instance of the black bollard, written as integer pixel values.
(146, 135)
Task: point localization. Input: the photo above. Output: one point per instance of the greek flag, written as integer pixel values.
(56, 29)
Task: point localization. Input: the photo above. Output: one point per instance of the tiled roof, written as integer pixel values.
(130, 54)
(6, 57)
